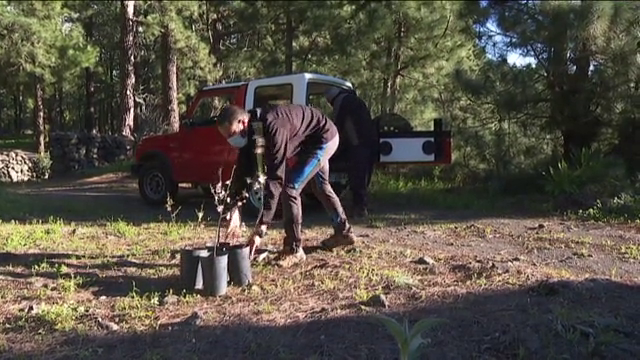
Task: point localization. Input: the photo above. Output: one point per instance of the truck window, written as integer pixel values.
(273, 94)
(208, 108)
(315, 97)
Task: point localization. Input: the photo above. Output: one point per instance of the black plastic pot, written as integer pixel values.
(239, 265)
(215, 272)
(191, 268)
(222, 245)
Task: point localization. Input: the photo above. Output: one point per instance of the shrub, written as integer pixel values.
(42, 166)
(589, 176)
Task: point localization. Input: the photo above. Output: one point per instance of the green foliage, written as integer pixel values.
(419, 59)
(42, 166)
(587, 177)
(624, 207)
(409, 340)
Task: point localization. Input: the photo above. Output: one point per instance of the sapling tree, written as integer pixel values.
(227, 202)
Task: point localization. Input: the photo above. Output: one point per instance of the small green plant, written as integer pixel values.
(173, 213)
(200, 213)
(622, 208)
(41, 165)
(409, 340)
(585, 177)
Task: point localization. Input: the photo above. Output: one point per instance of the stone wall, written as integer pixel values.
(20, 166)
(72, 152)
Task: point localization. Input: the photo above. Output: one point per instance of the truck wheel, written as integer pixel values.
(252, 206)
(254, 202)
(155, 184)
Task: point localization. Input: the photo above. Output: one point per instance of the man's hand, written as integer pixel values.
(254, 242)
(234, 222)
(255, 239)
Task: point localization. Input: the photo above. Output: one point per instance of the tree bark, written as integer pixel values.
(214, 28)
(61, 117)
(17, 109)
(386, 80)
(90, 112)
(127, 102)
(170, 79)
(288, 59)
(50, 104)
(39, 116)
(112, 106)
(395, 63)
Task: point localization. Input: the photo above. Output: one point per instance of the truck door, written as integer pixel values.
(204, 149)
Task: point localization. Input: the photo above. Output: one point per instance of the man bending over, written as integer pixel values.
(307, 134)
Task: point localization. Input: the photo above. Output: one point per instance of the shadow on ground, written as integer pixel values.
(20, 266)
(591, 319)
(114, 196)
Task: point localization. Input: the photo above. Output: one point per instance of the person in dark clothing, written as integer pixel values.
(353, 120)
(308, 135)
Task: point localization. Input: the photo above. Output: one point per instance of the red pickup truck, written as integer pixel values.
(197, 151)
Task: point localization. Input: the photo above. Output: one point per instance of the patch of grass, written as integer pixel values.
(122, 229)
(117, 167)
(15, 206)
(137, 310)
(60, 317)
(631, 252)
(14, 236)
(18, 142)
(623, 208)
(412, 190)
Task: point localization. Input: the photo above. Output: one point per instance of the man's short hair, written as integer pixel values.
(230, 114)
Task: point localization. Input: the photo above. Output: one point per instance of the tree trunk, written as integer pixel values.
(112, 105)
(61, 117)
(17, 110)
(90, 112)
(16, 114)
(288, 46)
(39, 115)
(127, 102)
(395, 64)
(386, 81)
(89, 87)
(170, 79)
(214, 28)
(8, 126)
(50, 110)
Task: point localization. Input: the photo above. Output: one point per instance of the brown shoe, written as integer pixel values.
(287, 258)
(337, 240)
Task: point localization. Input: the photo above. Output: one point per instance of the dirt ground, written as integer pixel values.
(88, 271)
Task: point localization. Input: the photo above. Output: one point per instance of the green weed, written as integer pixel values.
(409, 340)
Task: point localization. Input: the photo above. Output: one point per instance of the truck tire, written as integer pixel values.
(254, 203)
(252, 206)
(155, 184)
